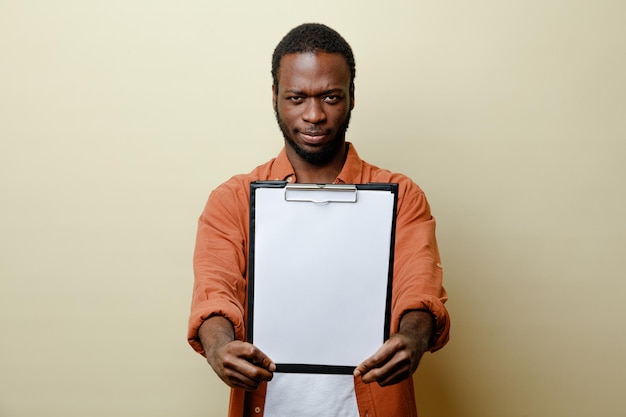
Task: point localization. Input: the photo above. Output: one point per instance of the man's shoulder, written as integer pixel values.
(242, 181)
(373, 173)
(411, 197)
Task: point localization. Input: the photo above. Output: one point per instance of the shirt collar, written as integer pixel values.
(351, 173)
(281, 168)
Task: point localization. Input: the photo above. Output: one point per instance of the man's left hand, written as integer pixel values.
(398, 357)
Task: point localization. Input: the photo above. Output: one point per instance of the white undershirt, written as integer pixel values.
(311, 395)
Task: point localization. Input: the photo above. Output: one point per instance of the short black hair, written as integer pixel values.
(313, 37)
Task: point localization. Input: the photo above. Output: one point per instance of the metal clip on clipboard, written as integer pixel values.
(321, 193)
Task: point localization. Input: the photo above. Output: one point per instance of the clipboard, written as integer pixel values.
(320, 273)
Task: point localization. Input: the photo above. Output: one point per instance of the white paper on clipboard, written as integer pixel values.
(321, 265)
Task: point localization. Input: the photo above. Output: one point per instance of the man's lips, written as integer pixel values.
(313, 137)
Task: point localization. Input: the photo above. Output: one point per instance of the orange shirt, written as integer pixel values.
(221, 261)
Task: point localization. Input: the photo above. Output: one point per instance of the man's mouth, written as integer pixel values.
(313, 137)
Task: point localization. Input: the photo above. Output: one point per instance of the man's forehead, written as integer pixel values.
(316, 64)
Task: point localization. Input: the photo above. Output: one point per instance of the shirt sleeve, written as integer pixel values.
(220, 262)
(418, 274)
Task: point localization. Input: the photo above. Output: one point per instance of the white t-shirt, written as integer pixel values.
(311, 395)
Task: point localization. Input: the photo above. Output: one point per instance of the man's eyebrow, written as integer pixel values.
(333, 90)
(325, 92)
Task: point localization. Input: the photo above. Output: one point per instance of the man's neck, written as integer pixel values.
(307, 172)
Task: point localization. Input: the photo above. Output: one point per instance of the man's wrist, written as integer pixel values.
(215, 332)
(419, 324)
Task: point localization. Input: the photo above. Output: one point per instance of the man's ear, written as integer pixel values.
(352, 97)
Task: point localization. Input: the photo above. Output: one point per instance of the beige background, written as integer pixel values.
(117, 118)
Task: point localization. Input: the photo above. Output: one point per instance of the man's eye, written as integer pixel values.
(295, 99)
(331, 99)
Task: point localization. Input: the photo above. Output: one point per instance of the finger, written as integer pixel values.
(259, 358)
(385, 375)
(378, 359)
(250, 353)
(393, 378)
(245, 384)
(245, 375)
(252, 370)
(393, 371)
(370, 376)
(238, 368)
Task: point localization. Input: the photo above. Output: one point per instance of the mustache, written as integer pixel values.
(314, 132)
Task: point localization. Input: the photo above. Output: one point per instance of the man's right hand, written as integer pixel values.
(239, 364)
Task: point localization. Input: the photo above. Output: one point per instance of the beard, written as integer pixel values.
(324, 154)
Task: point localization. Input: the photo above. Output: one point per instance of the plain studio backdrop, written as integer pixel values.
(118, 118)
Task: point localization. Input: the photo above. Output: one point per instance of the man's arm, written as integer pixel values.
(398, 357)
(239, 364)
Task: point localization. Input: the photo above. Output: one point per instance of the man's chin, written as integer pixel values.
(318, 155)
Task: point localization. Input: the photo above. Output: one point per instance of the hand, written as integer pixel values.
(239, 364)
(398, 357)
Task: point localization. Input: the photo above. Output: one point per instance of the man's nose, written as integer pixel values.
(314, 111)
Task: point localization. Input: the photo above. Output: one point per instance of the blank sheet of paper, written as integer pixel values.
(320, 277)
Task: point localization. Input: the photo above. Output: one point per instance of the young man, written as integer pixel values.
(313, 94)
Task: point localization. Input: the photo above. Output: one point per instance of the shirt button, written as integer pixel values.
(257, 410)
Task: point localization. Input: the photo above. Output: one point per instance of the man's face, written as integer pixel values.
(313, 104)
